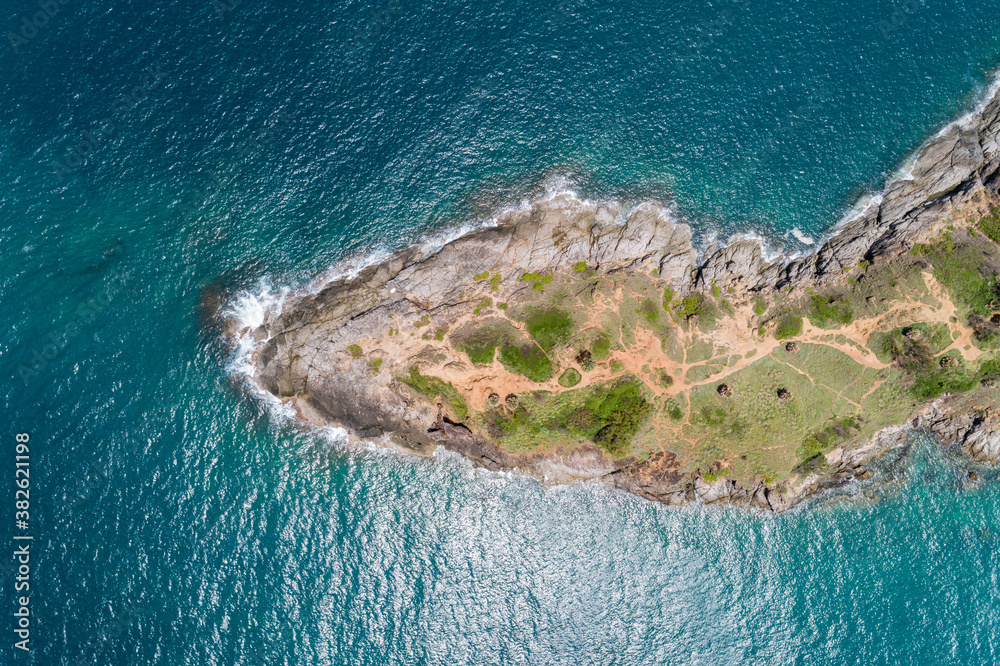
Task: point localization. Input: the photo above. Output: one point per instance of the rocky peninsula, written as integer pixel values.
(575, 340)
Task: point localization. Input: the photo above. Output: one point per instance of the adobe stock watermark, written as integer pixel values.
(900, 14)
(377, 22)
(116, 618)
(218, 182)
(103, 129)
(34, 23)
(51, 346)
(224, 7)
(563, 13)
(807, 112)
(710, 32)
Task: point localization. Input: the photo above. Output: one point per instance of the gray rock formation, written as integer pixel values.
(304, 353)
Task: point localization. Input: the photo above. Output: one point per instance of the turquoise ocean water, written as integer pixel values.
(150, 152)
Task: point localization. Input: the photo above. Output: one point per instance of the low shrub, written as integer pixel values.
(570, 378)
(990, 225)
(434, 387)
(829, 311)
(788, 326)
(550, 327)
(600, 348)
(527, 360)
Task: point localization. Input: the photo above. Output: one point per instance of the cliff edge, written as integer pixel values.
(576, 340)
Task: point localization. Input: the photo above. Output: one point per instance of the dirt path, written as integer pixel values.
(733, 336)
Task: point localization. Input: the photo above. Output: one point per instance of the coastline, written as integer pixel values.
(955, 172)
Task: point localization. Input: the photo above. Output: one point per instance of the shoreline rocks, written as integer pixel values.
(957, 169)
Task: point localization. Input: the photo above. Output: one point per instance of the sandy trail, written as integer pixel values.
(735, 341)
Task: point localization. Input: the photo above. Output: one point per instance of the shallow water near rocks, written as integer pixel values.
(179, 519)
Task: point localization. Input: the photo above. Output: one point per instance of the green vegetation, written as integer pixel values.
(668, 298)
(539, 280)
(483, 303)
(423, 321)
(990, 225)
(759, 306)
(811, 453)
(570, 378)
(485, 275)
(650, 311)
(600, 348)
(502, 306)
(609, 415)
(580, 266)
(614, 414)
(887, 346)
(969, 276)
(550, 327)
(716, 292)
(433, 387)
(830, 311)
(664, 379)
(693, 305)
(517, 354)
(927, 377)
(617, 366)
(788, 326)
(440, 333)
(480, 344)
(528, 360)
(673, 410)
(356, 351)
(495, 281)
(375, 364)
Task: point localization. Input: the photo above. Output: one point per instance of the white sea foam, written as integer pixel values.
(262, 306)
(801, 237)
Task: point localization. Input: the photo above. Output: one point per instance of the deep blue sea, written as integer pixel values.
(151, 151)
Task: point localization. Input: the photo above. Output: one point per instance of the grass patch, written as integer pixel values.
(600, 348)
(693, 305)
(356, 351)
(423, 321)
(811, 453)
(538, 280)
(550, 327)
(759, 306)
(580, 267)
(830, 311)
(434, 387)
(673, 410)
(483, 303)
(480, 344)
(611, 415)
(440, 333)
(969, 277)
(664, 379)
(570, 378)
(927, 377)
(936, 336)
(788, 326)
(485, 275)
(650, 311)
(990, 225)
(528, 360)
